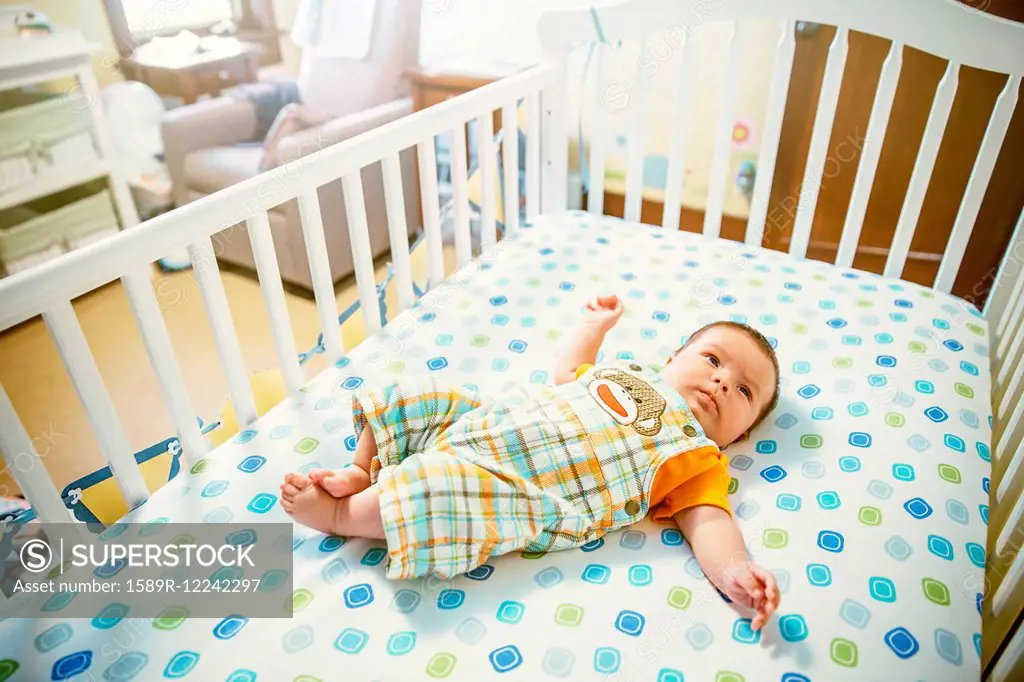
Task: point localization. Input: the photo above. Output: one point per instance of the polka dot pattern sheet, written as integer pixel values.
(865, 492)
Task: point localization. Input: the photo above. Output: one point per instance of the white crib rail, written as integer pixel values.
(637, 142)
(723, 133)
(771, 133)
(49, 289)
(273, 297)
(815, 169)
(961, 35)
(320, 267)
(1004, 587)
(677, 154)
(922, 173)
(879, 121)
(964, 38)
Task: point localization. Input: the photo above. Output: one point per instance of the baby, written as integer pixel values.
(449, 479)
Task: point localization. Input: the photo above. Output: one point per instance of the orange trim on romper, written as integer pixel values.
(688, 480)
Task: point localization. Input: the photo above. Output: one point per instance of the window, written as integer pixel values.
(150, 17)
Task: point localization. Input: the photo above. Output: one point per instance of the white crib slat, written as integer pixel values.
(922, 173)
(165, 364)
(533, 133)
(1008, 284)
(879, 121)
(555, 141)
(1008, 417)
(510, 166)
(718, 179)
(1012, 467)
(460, 196)
(398, 229)
(1005, 391)
(273, 298)
(770, 134)
(637, 141)
(27, 467)
(1002, 364)
(820, 136)
(218, 314)
(1014, 311)
(680, 129)
(1009, 325)
(320, 270)
(1011, 577)
(1006, 377)
(430, 203)
(1009, 528)
(81, 366)
(1005, 387)
(362, 254)
(1008, 664)
(488, 164)
(598, 132)
(976, 186)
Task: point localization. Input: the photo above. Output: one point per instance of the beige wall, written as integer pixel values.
(89, 17)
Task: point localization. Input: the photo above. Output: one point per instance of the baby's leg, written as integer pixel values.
(394, 422)
(355, 516)
(352, 479)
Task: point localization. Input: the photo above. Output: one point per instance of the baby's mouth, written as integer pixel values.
(706, 402)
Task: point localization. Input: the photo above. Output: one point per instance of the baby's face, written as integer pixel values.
(726, 379)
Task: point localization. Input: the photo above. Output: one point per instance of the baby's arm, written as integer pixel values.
(718, 546)
(602, 314)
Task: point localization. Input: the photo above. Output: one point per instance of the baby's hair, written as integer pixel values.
(762, 343)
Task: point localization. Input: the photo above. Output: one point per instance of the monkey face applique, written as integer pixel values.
(630, 401)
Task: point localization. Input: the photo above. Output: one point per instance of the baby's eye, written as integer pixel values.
(713, 360)
(745, 391)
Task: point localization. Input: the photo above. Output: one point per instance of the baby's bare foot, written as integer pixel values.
(314, 507)
(341, 482)
(293, 485)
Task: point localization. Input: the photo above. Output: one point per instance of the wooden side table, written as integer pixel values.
(189, 75)
(430, 87)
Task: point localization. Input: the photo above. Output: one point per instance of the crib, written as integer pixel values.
(826, 629)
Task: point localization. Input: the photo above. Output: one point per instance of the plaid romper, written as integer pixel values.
(541, 468)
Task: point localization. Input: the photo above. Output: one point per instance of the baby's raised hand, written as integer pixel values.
(604, 311)
(755, 588)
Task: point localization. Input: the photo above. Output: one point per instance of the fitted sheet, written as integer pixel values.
(865, 491)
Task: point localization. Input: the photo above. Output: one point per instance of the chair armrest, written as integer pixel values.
(213, 123)
(311, 140)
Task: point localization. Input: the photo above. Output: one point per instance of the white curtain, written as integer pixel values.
(335, 29)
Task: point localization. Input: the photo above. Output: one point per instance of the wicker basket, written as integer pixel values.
(27, 238)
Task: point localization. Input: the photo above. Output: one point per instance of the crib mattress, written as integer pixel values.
(865, 492)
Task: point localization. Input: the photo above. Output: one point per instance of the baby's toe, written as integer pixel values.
(297, 480)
